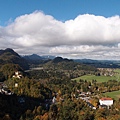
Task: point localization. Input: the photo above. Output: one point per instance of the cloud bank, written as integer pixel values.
(86, 36)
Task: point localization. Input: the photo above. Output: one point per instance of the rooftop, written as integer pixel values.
(106, 98)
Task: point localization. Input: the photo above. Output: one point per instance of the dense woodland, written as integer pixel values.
(33, 94)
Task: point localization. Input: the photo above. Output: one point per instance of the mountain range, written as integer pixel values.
(10, 56)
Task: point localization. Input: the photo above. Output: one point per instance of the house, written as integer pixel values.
(16, 85)
(106, 101)
(17, 74)
(53, 100)
(5, 91)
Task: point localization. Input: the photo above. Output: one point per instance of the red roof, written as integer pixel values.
(106, 99)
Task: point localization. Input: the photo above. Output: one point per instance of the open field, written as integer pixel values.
(117, 70)
(100, 78)
(97, 78)
(114, 94)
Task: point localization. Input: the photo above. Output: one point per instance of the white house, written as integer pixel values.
(16, 84)
(17, 74)
(53, 100)
(106, 101)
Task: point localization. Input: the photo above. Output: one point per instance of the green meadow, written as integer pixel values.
(114, 94)
(117, 70)
(97, 78)
(100, 78)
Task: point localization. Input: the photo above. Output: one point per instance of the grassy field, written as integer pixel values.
(100, 78)
(117, 70)
(114, 94)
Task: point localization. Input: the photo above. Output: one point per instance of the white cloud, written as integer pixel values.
(90, 29)
(36, 29)
(87, 51)
(86, 36)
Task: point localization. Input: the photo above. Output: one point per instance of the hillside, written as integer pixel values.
(67, 64)
(10, 56)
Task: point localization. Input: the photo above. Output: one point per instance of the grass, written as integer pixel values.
(114, 94)
(97, 78)
(100, 78)
(117, 70)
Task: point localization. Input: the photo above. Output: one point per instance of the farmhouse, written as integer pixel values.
(106, 101)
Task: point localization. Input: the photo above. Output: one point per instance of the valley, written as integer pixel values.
(52, 88)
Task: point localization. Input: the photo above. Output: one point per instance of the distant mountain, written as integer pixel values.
(100, 63)
(10, 56)
(60, 59)
(35, 59)
(48, 57)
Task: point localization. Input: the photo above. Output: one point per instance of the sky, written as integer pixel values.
(71, 29)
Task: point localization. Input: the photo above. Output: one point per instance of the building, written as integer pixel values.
(106, 101)
(53, 100)
(17, 74)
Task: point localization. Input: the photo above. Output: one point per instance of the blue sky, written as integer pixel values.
(59, 9)
(67, 28)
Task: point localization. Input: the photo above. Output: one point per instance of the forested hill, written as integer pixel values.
(10, 56)
(100, 63)
(67, 64)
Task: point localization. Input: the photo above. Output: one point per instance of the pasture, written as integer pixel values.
(117, 70)
(89, 77)
(97, 78)
(114, 94)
